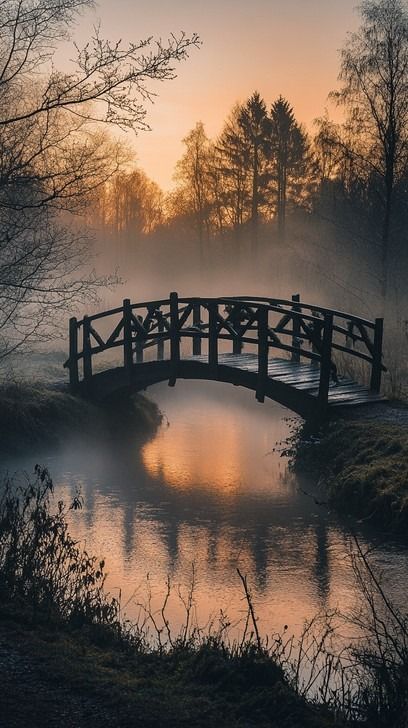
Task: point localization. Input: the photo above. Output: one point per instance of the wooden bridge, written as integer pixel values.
(303, 356)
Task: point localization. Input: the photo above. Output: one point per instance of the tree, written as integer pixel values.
(290, 159)
(252, 119)
(374, 76)
(53, 153)
(232, 162)
(129, 204)
(192, 197)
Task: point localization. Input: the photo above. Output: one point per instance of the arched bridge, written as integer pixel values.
(306, 357)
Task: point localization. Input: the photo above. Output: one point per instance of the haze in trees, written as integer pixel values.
(264, 203)
(54, 154)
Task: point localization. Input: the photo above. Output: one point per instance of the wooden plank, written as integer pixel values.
(352, 396)
(262, 353)
(300, 379)
(374, 398)
(96, 336)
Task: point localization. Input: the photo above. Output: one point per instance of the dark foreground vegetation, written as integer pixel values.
(54, 607)
(67, 654)
(35, 414)
(362, 466)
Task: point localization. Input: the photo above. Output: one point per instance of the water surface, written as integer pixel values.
(210, 492)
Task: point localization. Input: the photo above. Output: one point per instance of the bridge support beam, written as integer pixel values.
(174, 337)
(127, 336)
(197, 325)
(213, 337)
(296, 329)
(325, 364)
(263, 351)
(376, 370)
(160, 340)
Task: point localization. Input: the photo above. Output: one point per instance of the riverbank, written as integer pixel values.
(55, 677)
(361, 463)
(35, 414)
(67, 656)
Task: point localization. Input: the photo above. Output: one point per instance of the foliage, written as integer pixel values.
(49, 578)
(54, 154)
(362, 466)
(291, 162)
(41, 565)
(374, 77)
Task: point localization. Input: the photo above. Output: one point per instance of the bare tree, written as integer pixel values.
(193, 196)
(53, 154)
(374, 73)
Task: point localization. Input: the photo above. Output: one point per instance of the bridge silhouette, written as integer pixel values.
(301, 355)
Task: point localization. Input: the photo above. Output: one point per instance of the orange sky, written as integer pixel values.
(287, 47)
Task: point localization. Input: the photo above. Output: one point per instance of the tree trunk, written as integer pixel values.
(255, 204)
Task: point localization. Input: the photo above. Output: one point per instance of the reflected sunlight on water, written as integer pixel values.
(210, 490)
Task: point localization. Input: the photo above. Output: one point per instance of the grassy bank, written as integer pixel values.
(115, 686)
(362, 466)
(33, 415)
(68, 658)
(64, 650)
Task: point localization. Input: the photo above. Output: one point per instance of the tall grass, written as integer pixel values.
(50, 576)
(41, 565)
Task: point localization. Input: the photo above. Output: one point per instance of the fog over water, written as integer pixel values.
(210, 490)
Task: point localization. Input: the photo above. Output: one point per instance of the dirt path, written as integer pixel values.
(32, 697)
(394, 413)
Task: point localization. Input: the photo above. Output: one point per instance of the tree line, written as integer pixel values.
(60, 165)
(264, 165)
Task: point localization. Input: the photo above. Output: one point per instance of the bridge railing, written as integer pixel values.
(299, 330)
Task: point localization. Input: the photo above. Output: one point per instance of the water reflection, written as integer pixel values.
(209, 489)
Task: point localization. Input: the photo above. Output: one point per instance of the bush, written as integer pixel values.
(41, 566)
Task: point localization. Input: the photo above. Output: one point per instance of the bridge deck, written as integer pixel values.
(304, 377)
(155, 336)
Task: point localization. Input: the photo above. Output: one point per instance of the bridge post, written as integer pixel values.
(325, 361)
(73, 354)
(174, 337)
(213, 336)
(237, 346)
(296, 329)
(376, 367)
(237, 342)
(86, 348)
(160, 341)
(197, 324)
(127, 336)
(263, 351)
(139, 351)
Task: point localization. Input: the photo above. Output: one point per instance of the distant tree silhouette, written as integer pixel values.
(253, 120)
(193, 195)
(374, 74)
(290, 159)
(233, 160)
(129, 204)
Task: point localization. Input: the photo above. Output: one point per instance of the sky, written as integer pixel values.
(288, 47)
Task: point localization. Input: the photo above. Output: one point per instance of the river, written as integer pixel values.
(210, 494)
